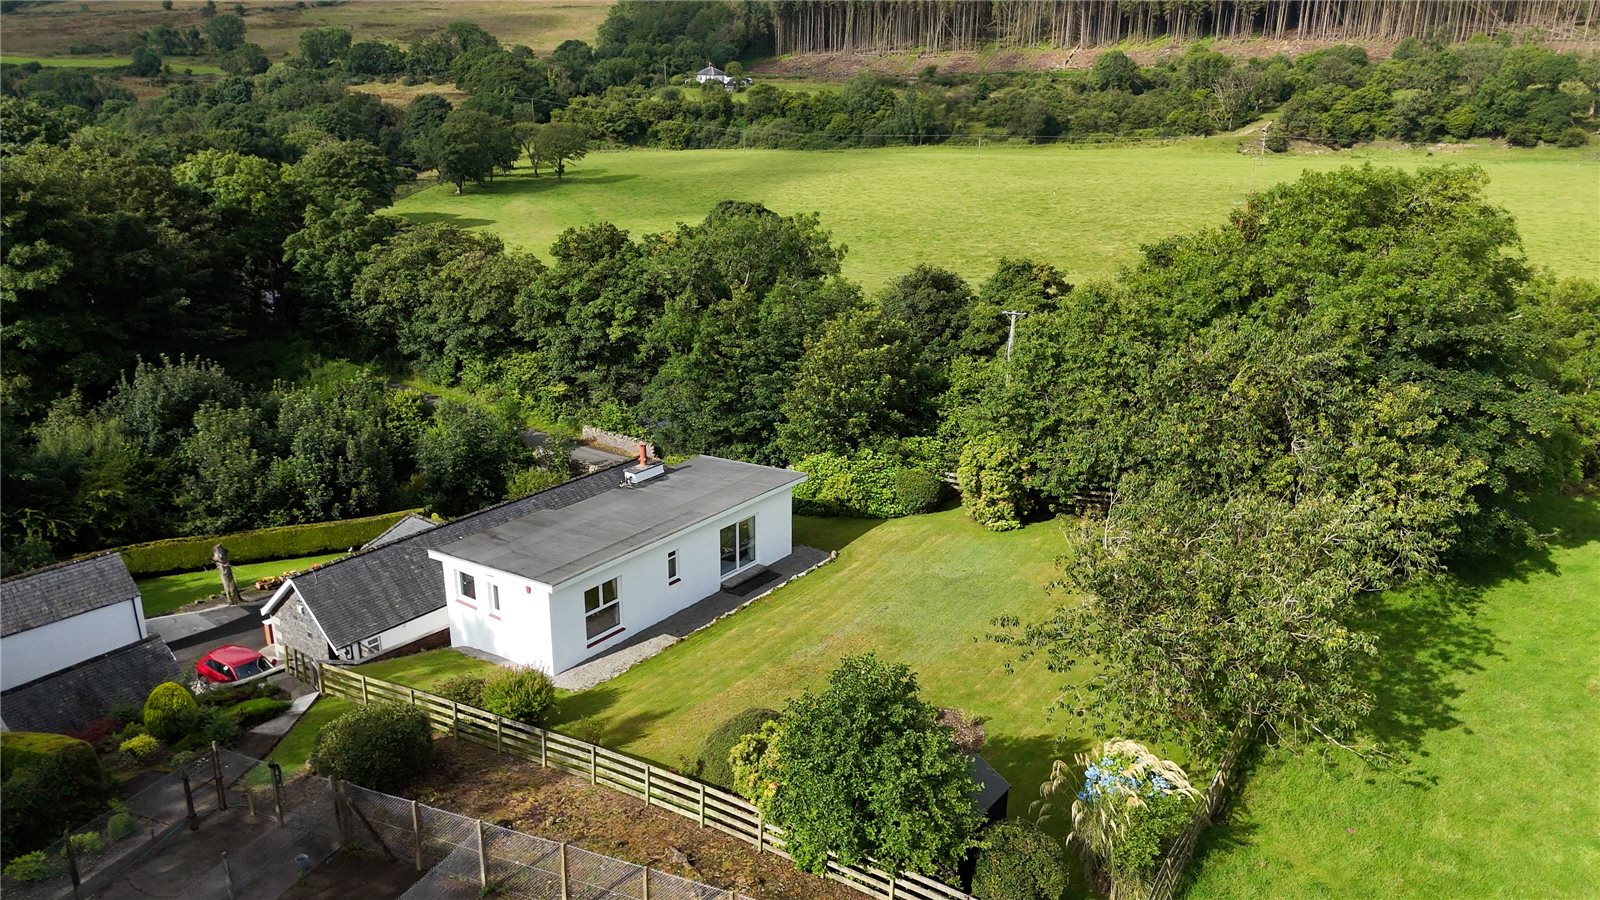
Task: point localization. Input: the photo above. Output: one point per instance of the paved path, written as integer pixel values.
(183, 629)
(681, 624)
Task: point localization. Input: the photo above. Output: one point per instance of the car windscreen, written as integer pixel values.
(253, 667)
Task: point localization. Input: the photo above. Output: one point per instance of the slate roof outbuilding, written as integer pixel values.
(69, 699)
(409, 524)
(375, 590)
(62, 591)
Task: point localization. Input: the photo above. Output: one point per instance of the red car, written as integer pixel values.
(231, 663)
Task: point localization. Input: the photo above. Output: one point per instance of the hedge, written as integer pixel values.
(867, 483)
(283, 542)
(22, 749)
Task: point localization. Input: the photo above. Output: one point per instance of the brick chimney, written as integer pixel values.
(644, 455)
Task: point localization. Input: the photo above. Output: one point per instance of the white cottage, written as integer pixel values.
(556, 586)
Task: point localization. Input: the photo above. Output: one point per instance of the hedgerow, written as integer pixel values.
(866, 483)
(284, 542)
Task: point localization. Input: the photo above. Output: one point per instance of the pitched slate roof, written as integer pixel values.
(362, 595)
(63, 590)
(408, 525)
(552, 546)
(710, 70)
(68, 699)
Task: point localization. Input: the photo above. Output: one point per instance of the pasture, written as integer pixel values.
(1489, 691)
(1085, 208)
(50, 29)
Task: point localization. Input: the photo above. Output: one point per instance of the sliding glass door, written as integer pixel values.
(738, 545)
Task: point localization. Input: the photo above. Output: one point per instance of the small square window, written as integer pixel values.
(672, 565)
(469, 587)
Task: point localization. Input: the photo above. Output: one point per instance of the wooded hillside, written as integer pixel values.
(821, 26)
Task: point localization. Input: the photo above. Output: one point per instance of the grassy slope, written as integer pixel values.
(168, 592)
(1085, 208)
(50, 29)
(1496, 704)
(917, 590)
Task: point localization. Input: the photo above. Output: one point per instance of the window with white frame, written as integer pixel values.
(738, 544)
(494, 597)
(468, 587)
(602, 610)
(672, 567)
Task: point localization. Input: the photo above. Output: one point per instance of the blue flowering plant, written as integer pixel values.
(1128, 807)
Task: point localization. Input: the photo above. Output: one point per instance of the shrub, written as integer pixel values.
(89, 843)
(993, 482)
(382, 746)
(463, 689)
(169, 711)
(1130, 808)
(253, 712)
(125, 714)
(35, 866)
(46, 797)
(1019, 862)
(1572, 137)
(1277, 142)
(209, 725)
(141, 747)
(232, 696)
(754, 761)
(867, 483)
(283, 542)
(180, 759)
(121, 826)
(25, 749)
(715, 766)
(527, 695)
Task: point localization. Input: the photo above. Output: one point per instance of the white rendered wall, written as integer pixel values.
(519, 631)
(50, 648)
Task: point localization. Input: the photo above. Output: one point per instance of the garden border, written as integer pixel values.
(1176, 860)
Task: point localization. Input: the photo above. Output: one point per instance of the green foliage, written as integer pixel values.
(45, 798)
(1019, 862)
(754, 763)
(993, 481)
(209, 725)
(1132, 805)
(121, 826)
(141, 747)
(250, 713)
(23, 749)
(866, 484)
(532, 480)
(862, 379)
(468, 146)
(465, 456)
(714, 763)
(35, 866)
(284, 542)
(464, 689)
(88, 843)
(524, 694)
(1570, 310)
(935, 305)
(382, 746)
(169, 711)
(862, 769)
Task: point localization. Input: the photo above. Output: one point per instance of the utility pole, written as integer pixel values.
(1011, 336)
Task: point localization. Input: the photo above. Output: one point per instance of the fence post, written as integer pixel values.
(338, 813)
(455, 719)
(277, 790)
(416, 828)
(894, 879)
(72, 858)
(644, 874)
(646, 784)
(188, 800)
(563, 870)
(363, 678)
(412, 693)
(593, 778)
(761, 832)
(499, 731)
(483, 859)
(702, 804)
(544, 758)
(216, 772)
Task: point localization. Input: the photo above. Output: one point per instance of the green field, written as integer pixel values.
(168, 592)
(920, 590)
(176, 63)
(1086, 208)
(1494, 703)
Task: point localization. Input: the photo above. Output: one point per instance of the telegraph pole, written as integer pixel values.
(1011, 336)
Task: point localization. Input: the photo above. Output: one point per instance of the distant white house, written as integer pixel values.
(559, 585)
(73, 642)
(712, 73)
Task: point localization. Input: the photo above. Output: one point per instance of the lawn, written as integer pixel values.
(920, 590)
(1494, 704)
(1085, 208)
(177, 63)
(50, 28)
(166, 593)
(419, 670)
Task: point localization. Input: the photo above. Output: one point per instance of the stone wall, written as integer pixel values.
(294, 627)
(621, 443)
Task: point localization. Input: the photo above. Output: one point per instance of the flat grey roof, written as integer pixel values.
(551, 546)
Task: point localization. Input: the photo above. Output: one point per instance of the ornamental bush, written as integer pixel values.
(121, 826)
(89, 843)
(867, 484)
(993, 482)
(715, 766)
(464, 689)
(382, 746)
(141, 747)
(1131, 807)
(45, 798)
(251, 713)
(1019, 862)
(525, 694)
(35, 866)
(24, 749)
(207, 726)
(169, 711)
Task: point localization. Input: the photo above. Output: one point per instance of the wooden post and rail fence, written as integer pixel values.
(707, 805)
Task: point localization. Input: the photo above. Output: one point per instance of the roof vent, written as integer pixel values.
(645, 472)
